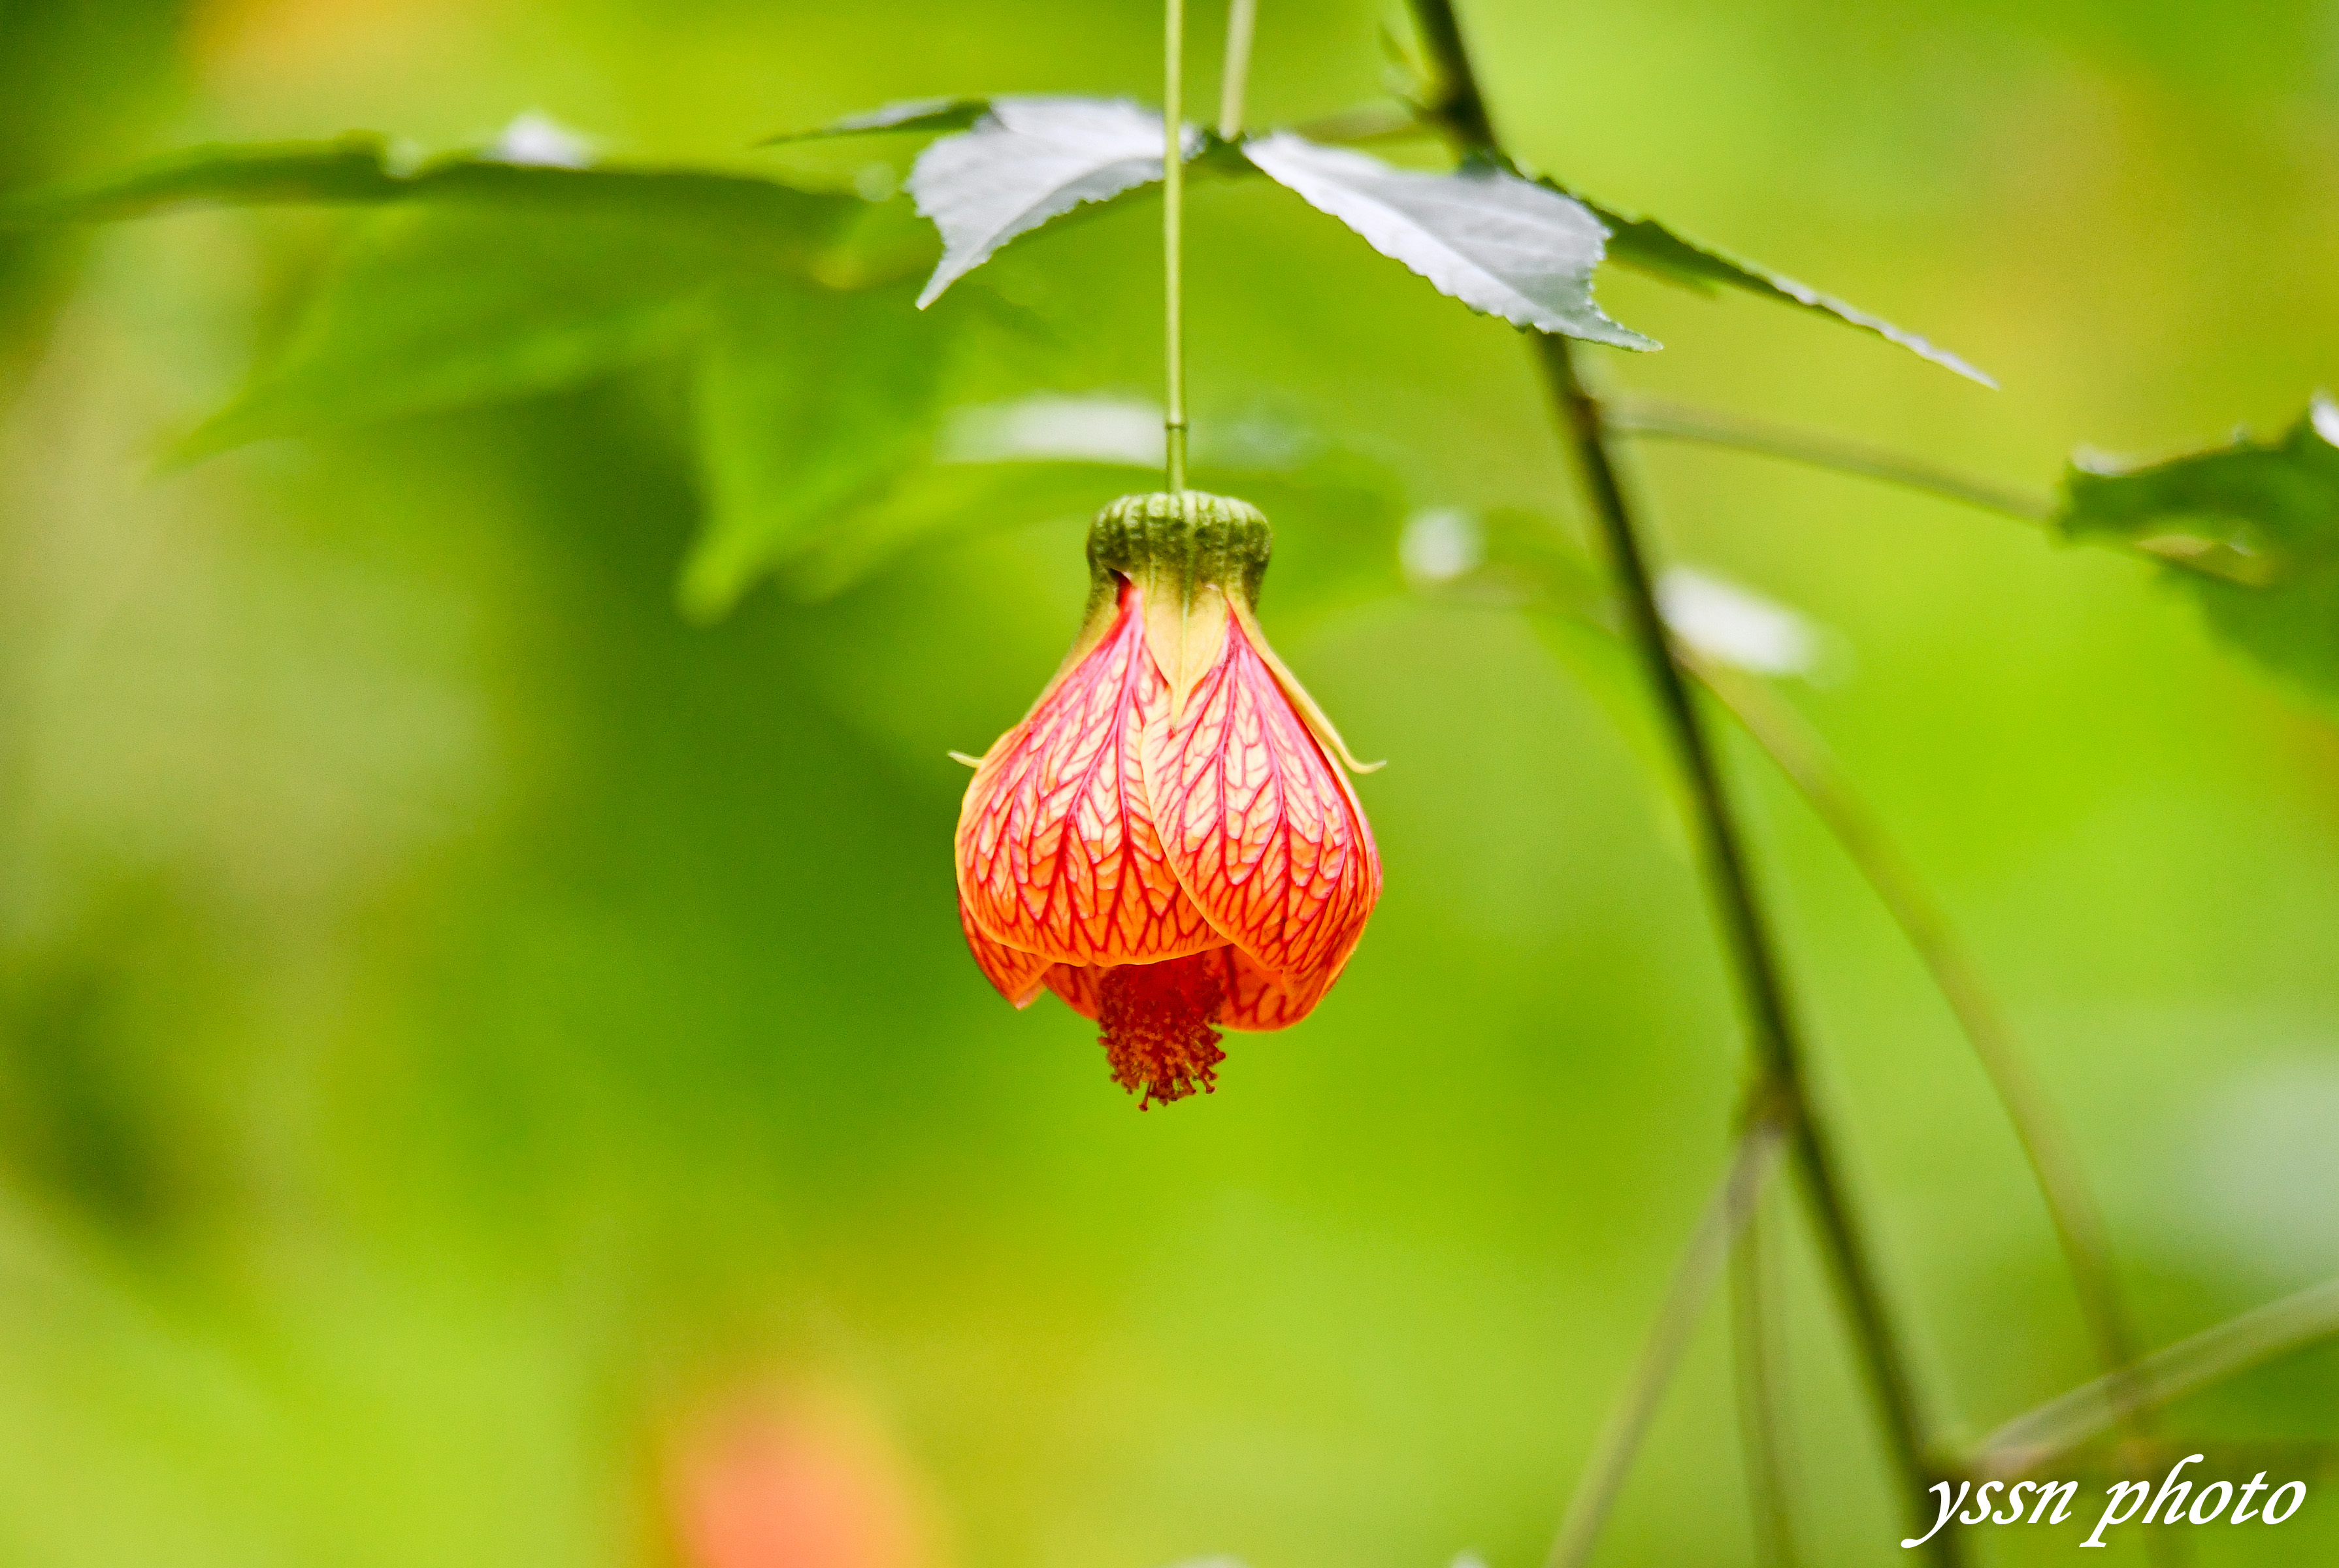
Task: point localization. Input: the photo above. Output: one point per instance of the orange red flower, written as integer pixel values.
(1168, 841)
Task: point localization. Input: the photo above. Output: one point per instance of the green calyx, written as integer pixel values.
(1185, 539)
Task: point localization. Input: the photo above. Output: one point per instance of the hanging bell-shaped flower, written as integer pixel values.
(1167, 841)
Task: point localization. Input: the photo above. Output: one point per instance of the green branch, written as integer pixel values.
(1763, 1427)
(1754, 961)
(1751, 1164)
(1234, 67)
(1803, 758)
(1735, 432)
(1676, 421)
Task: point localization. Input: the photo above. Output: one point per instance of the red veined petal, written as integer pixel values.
(1058, 853)
(1015, 973)
(1253, 999)
(1256, 999)
(1077, 984)
(1259, 825)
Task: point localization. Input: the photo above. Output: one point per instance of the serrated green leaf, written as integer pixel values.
(431, 309)
(1501, 245)
(2267, 510)
(1651, 247)
(1025, 162)
(2272, 499)
(911, 114)
(810, 403)
(359, 168)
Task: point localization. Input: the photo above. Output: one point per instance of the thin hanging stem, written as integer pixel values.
(1803, 757)
(2079, 1224)
(1755, 1300)
(1173, 237)
(1751, 1167)
(1746, 933)
(1234, 75)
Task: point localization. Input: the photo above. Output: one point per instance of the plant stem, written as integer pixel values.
(1746, 934)
(2049, 1432)
(1733, 1203)
(1457, 102)
(1650, 416)
(1754, 1299)
(1173, 218)
(1234, 71)
(1735, 432)
(2079, 1224)
(1803, 758)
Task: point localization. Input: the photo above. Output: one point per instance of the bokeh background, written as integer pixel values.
(488, 1072)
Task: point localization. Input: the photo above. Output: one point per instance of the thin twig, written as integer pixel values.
(1650, 417)
(1746, 933)
(1763, 1418)
(1752, 1164)
(1803, 757)
(2255, 1337)
(1761, 989)
(2204, 558)
(1234, 71)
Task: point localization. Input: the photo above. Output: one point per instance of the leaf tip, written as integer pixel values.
(1971, 372)
(1616, 335)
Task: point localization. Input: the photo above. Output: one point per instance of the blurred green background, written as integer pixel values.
(488, 1070)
